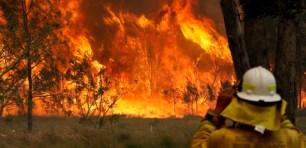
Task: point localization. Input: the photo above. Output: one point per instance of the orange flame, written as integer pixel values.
(149, 53)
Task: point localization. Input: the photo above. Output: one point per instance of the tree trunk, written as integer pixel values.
(174, 115)
(299, 73)
(235, 37)
(256, 42)
(1, 110)
(192, 113)
(285, 68)
(29, 64)
(30, 95)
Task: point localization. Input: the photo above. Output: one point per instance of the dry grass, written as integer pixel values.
(56, 132)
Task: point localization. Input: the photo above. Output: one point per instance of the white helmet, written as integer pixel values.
(259, 85)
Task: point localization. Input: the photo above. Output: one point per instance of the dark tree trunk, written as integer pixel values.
(29, 64)
(235, 37)
(285, 68)
(256, 42)
(30, 96)
(299, 72)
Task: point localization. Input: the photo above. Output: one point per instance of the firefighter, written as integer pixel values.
(251, 116)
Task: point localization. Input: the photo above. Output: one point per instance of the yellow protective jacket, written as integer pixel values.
(244, 135)
(286, 137)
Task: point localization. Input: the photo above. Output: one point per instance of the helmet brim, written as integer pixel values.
(256, 98)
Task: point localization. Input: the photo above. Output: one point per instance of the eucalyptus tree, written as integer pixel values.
(28, 33)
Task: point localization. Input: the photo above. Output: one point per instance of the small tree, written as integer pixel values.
(93, 94)
(30, 30)
(190, 95)
(173, 94)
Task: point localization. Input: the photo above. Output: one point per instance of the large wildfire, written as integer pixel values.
(155, 50)
(152, 58)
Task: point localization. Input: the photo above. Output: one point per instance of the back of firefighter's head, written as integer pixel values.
(258, 85)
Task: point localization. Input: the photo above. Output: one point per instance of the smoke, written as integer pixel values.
(212, 10)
